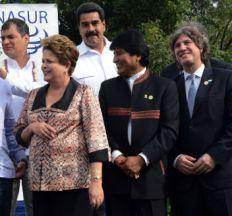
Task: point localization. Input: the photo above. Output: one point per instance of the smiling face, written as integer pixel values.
(92, 29)
(127, 64)
(187, 53)
(13, 43)
(51, 67)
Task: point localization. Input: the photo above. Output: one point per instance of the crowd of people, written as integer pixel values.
(103, 135)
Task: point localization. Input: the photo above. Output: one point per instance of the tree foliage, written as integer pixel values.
(216, 16)
(157, 19)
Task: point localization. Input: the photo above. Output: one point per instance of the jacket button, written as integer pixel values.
(190, 125)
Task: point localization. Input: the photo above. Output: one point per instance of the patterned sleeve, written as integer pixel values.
(94, 129)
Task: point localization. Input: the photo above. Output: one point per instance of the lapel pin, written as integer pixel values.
(150, 97)
(145, 96)
(207, 81)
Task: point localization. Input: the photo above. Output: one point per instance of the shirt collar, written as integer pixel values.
(136, 76)
(83, 48)
(63, 103)
(198, 72)
(13, 63)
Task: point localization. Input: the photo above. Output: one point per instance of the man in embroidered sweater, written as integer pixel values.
(95, 62)
(140, 112)
(20, 71)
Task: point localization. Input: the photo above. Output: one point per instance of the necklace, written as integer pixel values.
(33, 71)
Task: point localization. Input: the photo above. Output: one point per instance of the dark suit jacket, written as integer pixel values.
(171, 71)
(208, 131)
(152, 108)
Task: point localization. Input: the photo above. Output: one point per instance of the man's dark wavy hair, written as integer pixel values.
(197, 34)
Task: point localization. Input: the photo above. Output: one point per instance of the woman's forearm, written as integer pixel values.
(96, 195)
(96, 170)
(27, 134)
(42, 129)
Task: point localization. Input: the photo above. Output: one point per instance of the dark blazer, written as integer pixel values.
(208, 131)
(172, 71)
(152, 108)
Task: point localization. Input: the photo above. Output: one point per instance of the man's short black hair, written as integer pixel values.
(133, 42)
(89, 7)
(21, 26)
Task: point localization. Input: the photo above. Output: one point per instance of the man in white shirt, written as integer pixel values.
(21, 73)
(95, 62)
(10, 152)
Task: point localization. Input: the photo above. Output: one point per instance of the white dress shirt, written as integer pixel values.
(10, 151)
(117, 153)
(198, 74)
(93, 68)
(22, 81)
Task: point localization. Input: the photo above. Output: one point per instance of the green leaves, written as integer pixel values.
(157, 19)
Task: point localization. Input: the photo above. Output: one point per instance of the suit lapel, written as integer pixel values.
(182, 96)
(203, 89)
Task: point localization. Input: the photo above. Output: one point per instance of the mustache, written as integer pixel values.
(91, 33)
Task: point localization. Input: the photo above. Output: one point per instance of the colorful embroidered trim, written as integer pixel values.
(142, 78)
(119, 111)
(150, 114)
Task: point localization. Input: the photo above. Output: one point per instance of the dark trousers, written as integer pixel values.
(62, 203)
(27, 195)
(123, 205)
(5, 196)
(202, 202)
(100, 211)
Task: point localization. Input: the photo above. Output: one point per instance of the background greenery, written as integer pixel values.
(157, 19)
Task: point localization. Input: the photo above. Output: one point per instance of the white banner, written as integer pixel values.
(42, 20)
